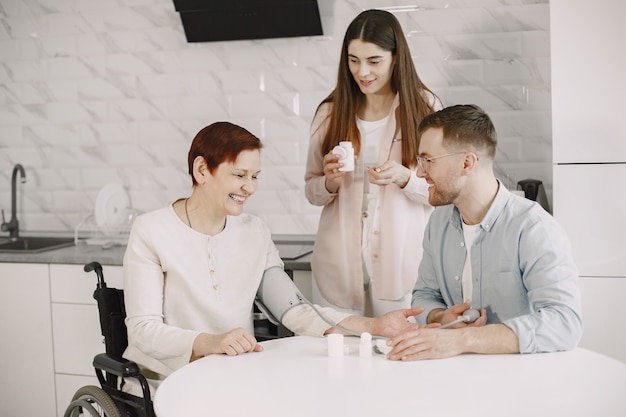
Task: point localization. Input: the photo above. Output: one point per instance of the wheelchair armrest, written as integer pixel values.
(119, 367)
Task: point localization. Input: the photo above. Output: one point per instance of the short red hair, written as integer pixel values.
(220, 142)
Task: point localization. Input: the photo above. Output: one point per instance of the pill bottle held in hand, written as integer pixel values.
(346, 156)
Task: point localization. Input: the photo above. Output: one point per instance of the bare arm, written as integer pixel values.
(391, 324)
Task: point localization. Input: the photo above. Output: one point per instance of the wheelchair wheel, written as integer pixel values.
(92, 401)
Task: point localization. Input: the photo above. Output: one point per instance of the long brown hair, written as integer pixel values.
(382, 29)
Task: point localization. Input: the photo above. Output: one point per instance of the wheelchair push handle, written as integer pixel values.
(95, 266)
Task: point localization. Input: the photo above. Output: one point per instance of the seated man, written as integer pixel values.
(486, 248)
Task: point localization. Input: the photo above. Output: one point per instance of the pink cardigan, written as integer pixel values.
(397, 232)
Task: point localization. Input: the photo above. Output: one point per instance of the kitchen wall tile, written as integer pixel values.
(483, 46)
(137, 109)
(94, 173)
(94, 92)
(242, 81)
(510, 149)
(21, 27)
(64, 23)
(9, 114)
(164, 132)
(511, 70)
(40, 135)
(11, 136)
(101, 89)
(49, 91)
(68, 68)
(10, 93)
(536, 44)
(21, 71)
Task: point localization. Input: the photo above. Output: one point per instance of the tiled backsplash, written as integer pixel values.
(93, 92)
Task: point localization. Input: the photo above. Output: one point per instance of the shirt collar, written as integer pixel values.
(502, 196)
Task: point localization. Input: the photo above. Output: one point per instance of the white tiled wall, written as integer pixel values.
(93, 92)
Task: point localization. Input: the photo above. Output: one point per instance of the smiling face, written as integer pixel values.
(232, 183)
(371, 67)
(444, 175)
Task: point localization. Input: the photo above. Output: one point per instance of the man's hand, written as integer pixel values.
(427, 343)
(454, 312)
(432, 343)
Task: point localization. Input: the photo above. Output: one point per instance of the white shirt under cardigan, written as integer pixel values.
(179, 282)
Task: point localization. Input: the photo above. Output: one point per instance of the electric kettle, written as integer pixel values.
(534, 190)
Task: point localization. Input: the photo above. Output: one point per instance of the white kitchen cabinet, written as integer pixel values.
(603, 315)
(588, 61)
(27, 374)
(589, 155)
(76, 326)
(590, 203)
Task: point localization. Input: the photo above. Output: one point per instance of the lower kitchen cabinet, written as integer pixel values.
(27, 371)
(603, 315)
(76, 327)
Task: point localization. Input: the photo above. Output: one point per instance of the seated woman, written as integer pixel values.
(193, 269)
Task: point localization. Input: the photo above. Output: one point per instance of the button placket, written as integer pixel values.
(212, 277)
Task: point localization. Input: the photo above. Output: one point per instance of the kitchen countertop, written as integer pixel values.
(82, 254)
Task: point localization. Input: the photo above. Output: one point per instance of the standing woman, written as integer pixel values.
(369, 241)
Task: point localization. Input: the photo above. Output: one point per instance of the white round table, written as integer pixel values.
(295, 377)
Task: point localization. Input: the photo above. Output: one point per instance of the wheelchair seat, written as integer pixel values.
(109, 400)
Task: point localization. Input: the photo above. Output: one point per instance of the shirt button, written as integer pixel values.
(456, 277)
(487, 226)
(462, 244)
(365, 214)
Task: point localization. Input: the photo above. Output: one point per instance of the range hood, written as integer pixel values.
(224, 20)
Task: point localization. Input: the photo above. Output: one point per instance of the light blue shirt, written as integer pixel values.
(523, 272)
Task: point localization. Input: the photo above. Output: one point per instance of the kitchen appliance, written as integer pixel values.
(589, 157)
(534, 190)
(224, 20)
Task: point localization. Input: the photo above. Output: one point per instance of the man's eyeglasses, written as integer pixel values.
(423, 161)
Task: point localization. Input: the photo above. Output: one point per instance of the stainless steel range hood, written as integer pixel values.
(223, 20)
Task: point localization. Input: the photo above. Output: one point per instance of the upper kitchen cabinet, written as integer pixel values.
(588, 59)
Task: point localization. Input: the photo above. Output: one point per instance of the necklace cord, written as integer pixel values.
(187, 213)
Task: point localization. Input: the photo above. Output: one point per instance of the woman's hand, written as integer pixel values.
(332, 173)
(388, 173)
(234, 342)
(397, 322)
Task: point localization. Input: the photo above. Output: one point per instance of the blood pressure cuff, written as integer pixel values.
(277, 294)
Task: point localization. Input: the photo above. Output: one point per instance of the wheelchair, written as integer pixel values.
(108, 400)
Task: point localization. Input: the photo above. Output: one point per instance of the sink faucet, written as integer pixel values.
(13, 225)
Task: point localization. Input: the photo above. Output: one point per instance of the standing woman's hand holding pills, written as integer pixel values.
(332, 173)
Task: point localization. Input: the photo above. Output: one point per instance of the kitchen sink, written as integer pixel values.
(34, 244)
